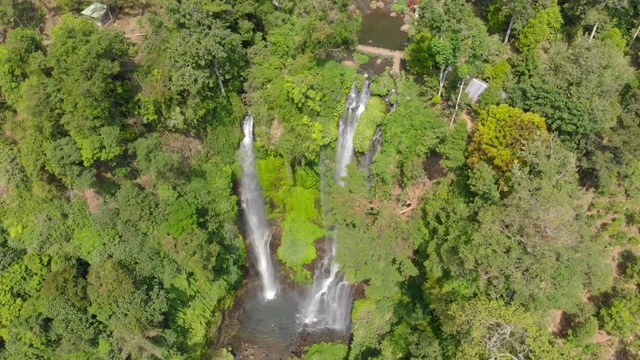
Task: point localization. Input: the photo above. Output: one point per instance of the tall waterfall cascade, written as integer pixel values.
(356, 104)
(329, 302)
(253, 205)
(329, 306)
(367, 158)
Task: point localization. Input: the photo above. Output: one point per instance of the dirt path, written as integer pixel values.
(51, 19)
(396, 55)
(131, 23)
(127, 22)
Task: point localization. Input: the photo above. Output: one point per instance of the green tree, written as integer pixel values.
(539, 28)
(490, 330)
(11, 171)
(575, 88)
(20, 13)
(89, 68)
(611, 159)
(14, 62)
(21, 281)
(452, 35)
(182, 218)
(453, 147)
(516, 13)
(419, 56)
(502, 131)
(590, 15)
(66, 283)
(152, 158)
(328, 24)
(621, 317)
(539, 223)
(65, 161)
(523, 242)
(191, 64)
(410, 133)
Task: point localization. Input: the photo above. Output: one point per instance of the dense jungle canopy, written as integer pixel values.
(504, 228)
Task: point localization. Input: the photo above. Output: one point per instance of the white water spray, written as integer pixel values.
(367, 158)
(254, 213)
(356, 104)
(329, 303)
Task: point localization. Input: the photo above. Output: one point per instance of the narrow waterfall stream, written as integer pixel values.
(356, 104)
(329, 306)
(329, 303)
(367, 158)
(253, 205)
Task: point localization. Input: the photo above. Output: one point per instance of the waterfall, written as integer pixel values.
(254, 213)
(356, 103)
(329, 306)
(367, 158)
(329, 302)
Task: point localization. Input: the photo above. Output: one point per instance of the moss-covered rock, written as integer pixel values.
(326, 351)
(299, 231)
(369, 120)
(294, 198)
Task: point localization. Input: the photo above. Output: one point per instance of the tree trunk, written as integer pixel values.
(443, 74)
(506, 37)
(636, 33)
(219, 78)
(457, 102)
(593, 32)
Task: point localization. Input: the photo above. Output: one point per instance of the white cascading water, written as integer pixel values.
(329, 306)
(329, 303)
(253, 204)
(356, 103)
(367, 158)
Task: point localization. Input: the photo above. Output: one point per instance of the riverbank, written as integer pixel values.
(397, 56)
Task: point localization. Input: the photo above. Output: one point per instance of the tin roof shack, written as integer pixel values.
(475, 89)
(99, 13)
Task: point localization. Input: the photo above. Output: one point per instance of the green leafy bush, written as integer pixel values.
(299, 231)
(361, 58)
(326, 351)
(296, 209)
(297, 245)
(621, 317)
(275, 179)
(373, 116)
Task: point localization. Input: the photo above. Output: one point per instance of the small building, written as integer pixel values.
(475, 88)
(98, 12)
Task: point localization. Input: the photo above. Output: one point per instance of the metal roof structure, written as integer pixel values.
(475, 88)
(95, 10)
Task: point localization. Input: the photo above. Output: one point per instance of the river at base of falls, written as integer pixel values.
(259, 329)
(269, 329)
(380, 29)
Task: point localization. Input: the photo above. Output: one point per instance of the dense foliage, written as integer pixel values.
(503, 228)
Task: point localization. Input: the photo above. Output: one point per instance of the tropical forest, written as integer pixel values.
(319, 179)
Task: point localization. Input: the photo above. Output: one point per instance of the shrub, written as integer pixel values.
(369, 120)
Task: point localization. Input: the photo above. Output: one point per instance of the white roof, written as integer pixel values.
(95, 10)
(475, 88)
